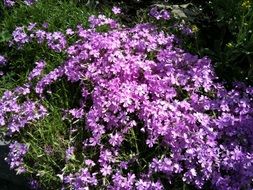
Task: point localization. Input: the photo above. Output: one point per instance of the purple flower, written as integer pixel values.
(102, 20)
(56, 41)
(70, 32)
(123, 182)
(45, 25)
(159, 14)
(154, 13)
(80, 180)
(31, 26)
(106, 170)
(37, 70)
(115, 139)
(34, 184)
(69, 153)
(19, 37)
(106, 156)
(89, 163)
(165, 15)
(40, 36)
(123, 165)
(116, 10)
(16, 115)
(3, 60)
(16, 155)
(48, 79)
(77, 113)
(9, 3)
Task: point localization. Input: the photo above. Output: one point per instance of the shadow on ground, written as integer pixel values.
(8, 179)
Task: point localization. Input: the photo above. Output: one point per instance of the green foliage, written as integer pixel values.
(59, 15)
(224, 33)
(47, 140)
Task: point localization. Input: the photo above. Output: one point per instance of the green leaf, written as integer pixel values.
(5, 36)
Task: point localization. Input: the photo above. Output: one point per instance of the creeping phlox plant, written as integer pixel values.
(150, 113)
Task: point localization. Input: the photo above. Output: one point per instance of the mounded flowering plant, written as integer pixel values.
(149, 114)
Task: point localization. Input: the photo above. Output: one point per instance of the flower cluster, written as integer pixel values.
(23, 35)
(16, 114)
(11, 3)
(19, 37)
(152, 111)
(159, 14)
(37, 70)
(103, 20)
(56, 41)
(81, 179)
(16, 155)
